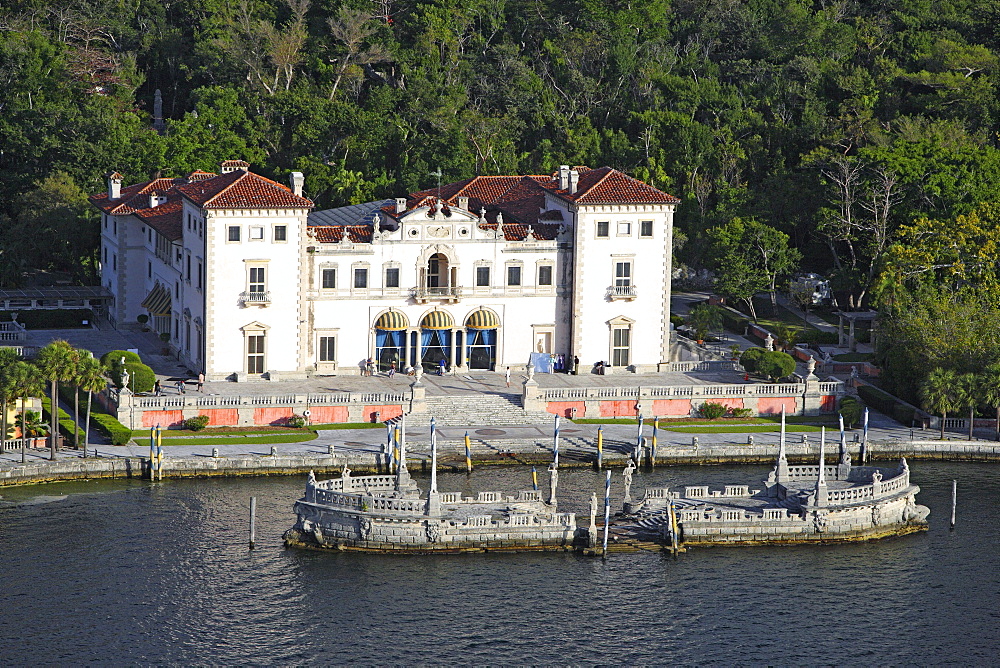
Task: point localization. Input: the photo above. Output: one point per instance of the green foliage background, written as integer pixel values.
(742, 109)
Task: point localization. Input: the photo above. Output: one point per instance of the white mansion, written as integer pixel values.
(249, 283)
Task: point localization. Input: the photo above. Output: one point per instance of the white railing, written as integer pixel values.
(235, 401)
(622, 292)
(705, 365)
(255, 297)
(748, 390)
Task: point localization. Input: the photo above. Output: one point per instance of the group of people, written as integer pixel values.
(180, 385)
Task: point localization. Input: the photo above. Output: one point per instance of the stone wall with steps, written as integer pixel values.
(480, 409)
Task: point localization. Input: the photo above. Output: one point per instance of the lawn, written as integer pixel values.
(740, 428)
(854, 357)
(221, 431)
(243, 440)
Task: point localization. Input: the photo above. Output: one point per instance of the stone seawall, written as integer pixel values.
(300, 464)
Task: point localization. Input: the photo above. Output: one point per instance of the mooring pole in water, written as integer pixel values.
(652, 451)
(600, 447)
(253, 521)
(468, 454)
(954, 501)
(607, 513)
(534, 478)
(555, 441)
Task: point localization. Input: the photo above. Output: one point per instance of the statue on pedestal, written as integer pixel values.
(553, 482)
(628, 481)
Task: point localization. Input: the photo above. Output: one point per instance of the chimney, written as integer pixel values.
(114, 185)
(574, 178)
(155, 199)
(400, 204)
(297, 179)
(463, 203)
(563, 177)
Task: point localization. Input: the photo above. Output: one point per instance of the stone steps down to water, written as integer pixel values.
(502, 410)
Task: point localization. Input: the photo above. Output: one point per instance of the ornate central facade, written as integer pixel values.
(249, 282)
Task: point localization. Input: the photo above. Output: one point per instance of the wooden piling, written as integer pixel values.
(954, 501)
(253, 521)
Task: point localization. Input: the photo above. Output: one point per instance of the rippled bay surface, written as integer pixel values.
(134, 573)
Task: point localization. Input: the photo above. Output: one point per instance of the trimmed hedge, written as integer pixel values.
(142, 378)
(112, 428)
(62, 318)
(733, 322)
(113, 358)
(67, 426)
(812, 335)
(886, 403)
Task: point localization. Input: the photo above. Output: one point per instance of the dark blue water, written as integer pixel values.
(129, 573)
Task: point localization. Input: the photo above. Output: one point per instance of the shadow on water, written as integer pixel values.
(133, 572)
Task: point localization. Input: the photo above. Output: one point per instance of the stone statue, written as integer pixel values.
(876, 514)
(530, 369)
(346, 473)
(553, 482)
(811, 365)
(311, 482)
(827, 357)
(365, 525)
(433, 532)
(854, 371)
(377, 224)
(769, 342)
(482, 214)
(876, 477)
(903, 466)
(628, 480)
(125, 378)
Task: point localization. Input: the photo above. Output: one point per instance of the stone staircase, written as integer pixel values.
(499, 410)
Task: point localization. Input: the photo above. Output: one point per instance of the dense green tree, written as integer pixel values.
(939, 393)
(57, 364)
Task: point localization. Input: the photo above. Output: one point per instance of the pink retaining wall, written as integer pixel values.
(772, 405)
(618, 408)
(163, 418)
(565, 408)
(385, 413)
(672, 407)
(328, 414)
(221, 417)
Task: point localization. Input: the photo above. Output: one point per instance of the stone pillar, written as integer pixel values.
(821, 488)
(531, 396)
(840, 330)
(418, 395)
(812, 399)
(852, 343)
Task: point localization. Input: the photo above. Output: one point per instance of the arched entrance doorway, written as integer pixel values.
(390, 339)
(481, 340)
(435, 339)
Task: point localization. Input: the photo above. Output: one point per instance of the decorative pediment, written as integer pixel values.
(255, 327)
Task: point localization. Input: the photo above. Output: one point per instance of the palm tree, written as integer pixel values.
(938, 393)
(57, 362)
(31, 425)
(26, 381)
(90, 378)
(968, 396)
(7, 360)
(82, 360)
(990, 387)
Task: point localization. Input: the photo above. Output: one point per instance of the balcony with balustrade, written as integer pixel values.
(448, 293)
(625, 292)
(255, 298)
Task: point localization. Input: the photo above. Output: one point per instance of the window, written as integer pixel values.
(256, 280)
(199, 274)
(149, 268)
(482, 277)
(328, 349)
(115, 226)
(256, 233)
(280, 233)
(201, 227)
(625, 229)
(177, 290)
(545, 274)
(623, 274)
(329, 279)
(513, 275)
(646, 229)
(105, 255)
(114, 262)
(621, 339)
(392, 277)
(602, 229)
(255, 353)
(234, 232)
(360, 277)
(188, 268)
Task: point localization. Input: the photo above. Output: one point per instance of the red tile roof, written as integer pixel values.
(133, 197)
(609, 186)
(242, 190)
(167, 218)
(519, 232)
(332, 234)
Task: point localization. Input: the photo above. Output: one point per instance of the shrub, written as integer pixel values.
(112, 428)
(775, 364)
(712, 411)
(67, 427)
(733, 321)
(676, 320)
(740, 412)
(196, 423)
(51, 318)
(141, 377)
(750, 359)
(113, 361)
(810, 335)
(296, 422)
(142, 318)
(851, 409)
